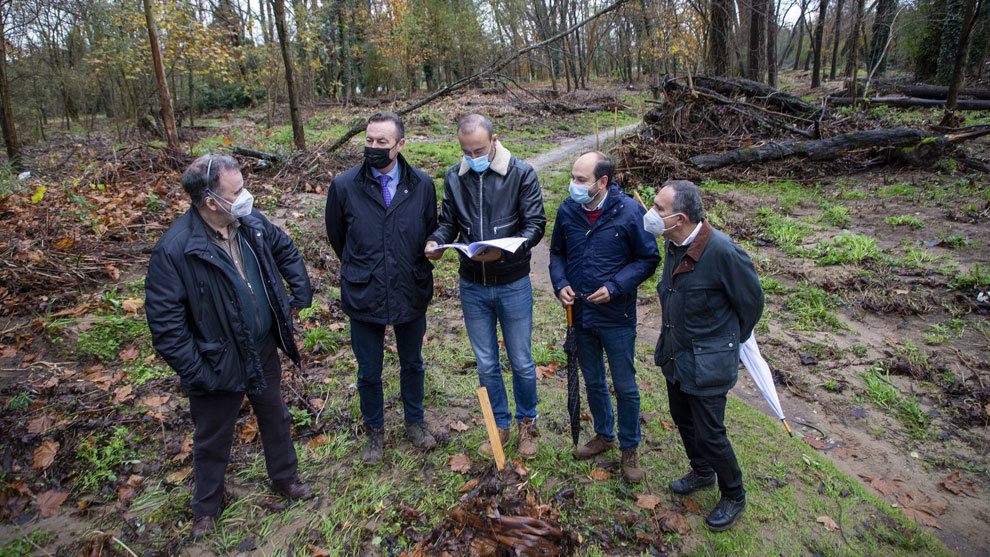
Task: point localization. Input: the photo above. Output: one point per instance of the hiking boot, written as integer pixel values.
(202, 525)
(725, 514)
(528, 445)
(486, 448)
(597, 445)
(375, 446)
(420, 436)
(691, 483)
(295, 491)
(630, 466)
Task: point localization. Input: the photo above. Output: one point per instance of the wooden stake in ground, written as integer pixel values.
(493, 438)
(596, 133)
(615, 124)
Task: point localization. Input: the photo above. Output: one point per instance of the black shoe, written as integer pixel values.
(691, 483)
(725, 514)
(374, 449)
(420, 436)
(202, 525)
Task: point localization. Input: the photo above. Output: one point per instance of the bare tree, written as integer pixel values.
(757, 36)
(6, 112)
(816, 77)
(772, 8)
(168, 118)
(853, 66)
(969, 15)
(298, 134)
(718, 51)
(835, 40)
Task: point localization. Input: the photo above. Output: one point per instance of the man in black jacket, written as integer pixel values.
(491, 194)
(218, 310)
(712, 300)
(378, 216)
(599, 254)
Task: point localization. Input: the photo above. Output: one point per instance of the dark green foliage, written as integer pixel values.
(949, 40)
(881, 33)
(229, 96)
(926, 49)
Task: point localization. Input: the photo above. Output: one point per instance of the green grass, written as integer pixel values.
(812, 308)
(977, 278)
(101, 456)
(899, 190)
(905, 220)
(786, 232)
(905, 408)
(847, 249)
(109, 334)
(836, 215)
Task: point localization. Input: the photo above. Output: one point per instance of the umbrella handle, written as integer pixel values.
(787, 427)
(570, 315)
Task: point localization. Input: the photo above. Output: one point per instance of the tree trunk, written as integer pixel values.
(800, 43)
(718, 55)
(881, 35)
(853, 68)
(950, 40)
(969, 14)
(756, 62)
(6, 111)
(816, 77)
(168, 117)
(835, 40)
(772, 42)
(298, 135)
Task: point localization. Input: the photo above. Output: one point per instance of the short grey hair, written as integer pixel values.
(470, 123)
(204, 173)
(687, 199)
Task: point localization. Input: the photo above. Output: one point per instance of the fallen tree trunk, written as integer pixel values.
(769, 95)
(938, 92)
(271, 157)
(911, 102)
(815, 150)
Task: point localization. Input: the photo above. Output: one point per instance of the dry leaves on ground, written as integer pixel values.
(828, 523)
(50, 502)
(317, 441)
(600, 474)
(672, 521)
(921, 508)
(883, 485)
(122, 394)
(844, 453)
(131, 305)
(458, 426)
(647, 501)
(44, 455)
(179, 475)
(469, 485)
(459, 463)
(40, 425)
(549, 370)
(184, 451)
(693, 506)
(129, 353)
(954, 483)
(155, 401)
(815, 442)
(520, 468)
(249, 431)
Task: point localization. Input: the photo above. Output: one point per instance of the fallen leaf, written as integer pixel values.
(21, 487)
(693, 506)
(468, 485)
(920, 507)
(392, 348)
(548, 370)
(40, 424)
(409, 514)
(600, 474)
(45, 454)
(317, 403)
(953, 482)
(668, 425)
(317, 441)
(184, 451)
(459, 426)
(883, 485)
(8, 352)
(131, 305)
(83, 326)
(828, 523)
(520, 468)
(647, 501)
(249, 430)
(336, 326)
(315, 551)
(65, 243)
(844, 453)
(129, 353)
(122, 394)
(674, 522)
(155, 401)
(50, 502)
(179, 475)
(28, 358)
(126, 490)
(459, 463)
(815, 442)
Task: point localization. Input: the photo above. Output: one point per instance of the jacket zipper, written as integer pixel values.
(481, 216)
(278, 329)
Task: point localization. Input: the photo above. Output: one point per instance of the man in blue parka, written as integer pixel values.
(218, 312)
(599, 254)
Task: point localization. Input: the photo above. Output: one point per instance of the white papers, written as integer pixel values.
(470, 250)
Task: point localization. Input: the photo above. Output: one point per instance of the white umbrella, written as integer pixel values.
(760, 372)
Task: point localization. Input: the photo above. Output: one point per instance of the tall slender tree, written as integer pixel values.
(835, 40)
(882, 23)
(718, 51)
(756, 64)
(298, 134)
(816, 76)
(168, 117)
(6, 110)
(970, 10)
(772, 6)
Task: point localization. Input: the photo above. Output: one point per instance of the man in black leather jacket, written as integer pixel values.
(711, 300)
(491, 194)
(218, 312)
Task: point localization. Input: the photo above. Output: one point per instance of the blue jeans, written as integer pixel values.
(368, 343)
(619, 343)
(511, 305)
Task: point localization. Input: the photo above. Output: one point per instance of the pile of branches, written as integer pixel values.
(728, 129)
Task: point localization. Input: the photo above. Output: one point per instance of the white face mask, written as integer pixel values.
(241, 207)
(654, 223)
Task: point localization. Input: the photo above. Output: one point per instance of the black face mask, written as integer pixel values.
(377, 157)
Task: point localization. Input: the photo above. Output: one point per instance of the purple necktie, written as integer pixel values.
(384, 178)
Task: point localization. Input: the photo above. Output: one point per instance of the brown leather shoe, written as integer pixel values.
(597, 445)
(486, 448)
(630, 466)
(202, 525)
(295, 491)
(528, 445)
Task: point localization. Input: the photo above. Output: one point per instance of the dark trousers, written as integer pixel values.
(215, 415)
(368, 343)
(701, 423)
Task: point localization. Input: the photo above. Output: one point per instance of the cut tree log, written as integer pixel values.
(815, 150)
(911, 102)
(938, 92)
(271, 157)
(770, 95)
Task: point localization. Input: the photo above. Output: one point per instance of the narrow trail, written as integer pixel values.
(562, 157)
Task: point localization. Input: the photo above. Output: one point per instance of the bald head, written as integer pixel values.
(470, 124)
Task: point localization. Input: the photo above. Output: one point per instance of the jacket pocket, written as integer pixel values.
(716, 360)
(216, 364)
(355, 274)
(504, 227)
